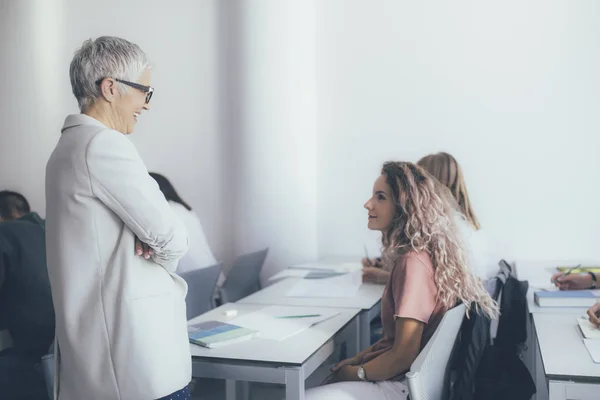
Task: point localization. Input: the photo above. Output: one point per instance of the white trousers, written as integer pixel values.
(385, 390)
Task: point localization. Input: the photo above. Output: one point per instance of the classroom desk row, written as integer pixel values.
(299, 361)
(556, 356)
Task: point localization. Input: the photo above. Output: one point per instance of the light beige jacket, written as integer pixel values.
(121, 325)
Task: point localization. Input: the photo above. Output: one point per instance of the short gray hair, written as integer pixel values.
(105, 57)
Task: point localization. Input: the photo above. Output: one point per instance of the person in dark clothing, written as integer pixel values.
(26, 309)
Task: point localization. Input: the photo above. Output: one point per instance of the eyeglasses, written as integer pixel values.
(149, 90)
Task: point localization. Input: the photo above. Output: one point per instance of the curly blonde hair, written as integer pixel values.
(423, 222)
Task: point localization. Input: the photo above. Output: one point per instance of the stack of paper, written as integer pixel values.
(591, 339)
(567, 298)
(213, 334)
(281, 322)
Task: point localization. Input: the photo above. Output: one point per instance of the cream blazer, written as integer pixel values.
(120, 319)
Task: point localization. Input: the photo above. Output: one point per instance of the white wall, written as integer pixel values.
(273, 108)
(273, 118)
(512, 89)
(179, 137)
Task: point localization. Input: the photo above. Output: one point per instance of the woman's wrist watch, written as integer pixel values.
(593, 275)
(360, 372)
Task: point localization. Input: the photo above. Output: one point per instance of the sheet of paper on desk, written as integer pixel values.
(589, 330)
(333, 267)
(315, 265)
(265, 321)
(535, 286)
(593, 347)
(290, 273)
(338, 286)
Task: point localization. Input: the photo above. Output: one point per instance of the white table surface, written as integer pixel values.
(293, 350)
(563, 353)
(367, 296)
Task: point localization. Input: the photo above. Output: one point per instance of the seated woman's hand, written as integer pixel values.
(594, 314)
(347, 361)
(572, 281)
(339, 371)
(368, 262)
(375, 275)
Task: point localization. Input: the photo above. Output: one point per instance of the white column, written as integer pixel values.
(32, 81)
(272, 113)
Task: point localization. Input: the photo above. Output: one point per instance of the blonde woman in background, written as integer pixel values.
(448, 172)
(428, 276)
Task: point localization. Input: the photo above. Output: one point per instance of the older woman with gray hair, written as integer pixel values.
(113, 242)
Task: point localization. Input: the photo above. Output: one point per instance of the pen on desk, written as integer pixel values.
(299, 316)
(367, 256)
(567, 273)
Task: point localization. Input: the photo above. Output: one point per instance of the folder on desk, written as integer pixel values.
(567, 298)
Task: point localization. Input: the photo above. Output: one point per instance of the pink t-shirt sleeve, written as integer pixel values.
(414, 289)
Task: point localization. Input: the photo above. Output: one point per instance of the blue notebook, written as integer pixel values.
(213, 334)
(567, 298)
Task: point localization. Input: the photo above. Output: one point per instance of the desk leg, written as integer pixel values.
(237, 390)
(556, 391)
(365, 330)
(353, 342)
(294, 384)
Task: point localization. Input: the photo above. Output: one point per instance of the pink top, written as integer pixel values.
(410, 292)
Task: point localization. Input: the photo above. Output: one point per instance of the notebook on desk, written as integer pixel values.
(567, 298)
(214, 334)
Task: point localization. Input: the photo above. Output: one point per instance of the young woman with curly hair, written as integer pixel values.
(424, 252)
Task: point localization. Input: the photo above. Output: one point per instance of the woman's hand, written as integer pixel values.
(340, 372)
(594, 314)
(347, 361)
(368, 262)
(375, 275)
(572, 281)
(142, 249)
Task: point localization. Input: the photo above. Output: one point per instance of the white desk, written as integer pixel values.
(290, 361)
(538, 273)
(571, 374)
(368, 299)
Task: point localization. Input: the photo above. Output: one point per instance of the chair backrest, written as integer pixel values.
(429, 373)
(201, 289)
(243, 278)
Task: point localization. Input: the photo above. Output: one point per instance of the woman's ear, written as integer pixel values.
(109, 89)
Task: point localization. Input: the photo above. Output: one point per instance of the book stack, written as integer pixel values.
(214, 334)
(567, 298)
